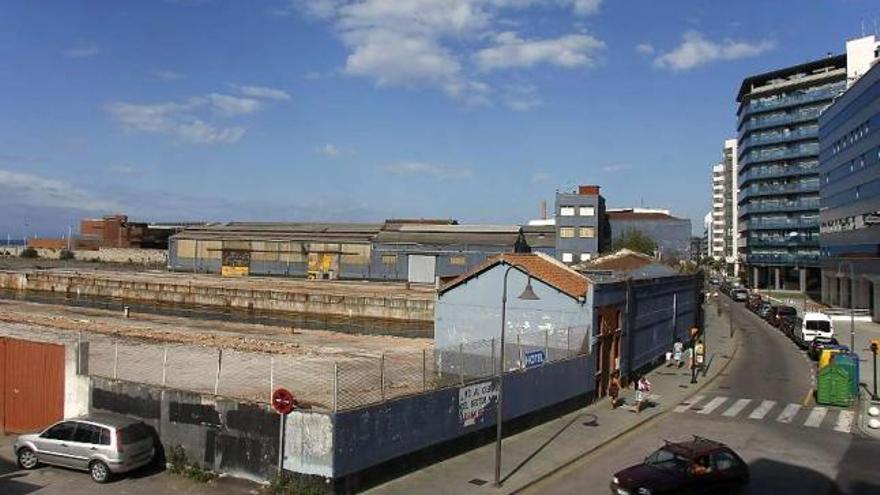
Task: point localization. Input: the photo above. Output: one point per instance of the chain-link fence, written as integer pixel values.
(332, 382)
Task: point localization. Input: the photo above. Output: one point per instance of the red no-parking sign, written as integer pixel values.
(283, 401)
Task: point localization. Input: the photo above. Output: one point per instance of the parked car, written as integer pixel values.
(754, 302)
(740, 294)
(103, 445)
(819, 344)
(780, 313)
(814, 325)
(788, 325)
(764, 310)
(695, 466)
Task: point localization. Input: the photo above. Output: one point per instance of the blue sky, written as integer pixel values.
(367, 109)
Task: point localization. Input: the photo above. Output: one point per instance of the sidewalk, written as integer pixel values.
(534, 454)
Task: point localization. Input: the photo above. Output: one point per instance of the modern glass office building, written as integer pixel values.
(849, 158)
(778, 148)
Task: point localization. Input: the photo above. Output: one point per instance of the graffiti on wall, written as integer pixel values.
(474, 402)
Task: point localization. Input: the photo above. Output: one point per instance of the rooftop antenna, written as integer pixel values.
(863, 28)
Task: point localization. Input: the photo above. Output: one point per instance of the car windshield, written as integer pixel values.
(667, 461)
(820, 325)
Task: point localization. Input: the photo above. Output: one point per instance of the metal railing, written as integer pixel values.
(777, 120)
(763, 172)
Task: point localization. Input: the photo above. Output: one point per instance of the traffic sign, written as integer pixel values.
(283, 401)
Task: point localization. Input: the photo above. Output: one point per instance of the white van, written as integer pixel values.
(815, 325)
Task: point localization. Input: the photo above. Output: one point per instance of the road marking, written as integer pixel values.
(763, 409)
(844, 421)
(816, 416)
(736, 408)
(685, 406)
(788, 413)
(712, 405)
(808, 397)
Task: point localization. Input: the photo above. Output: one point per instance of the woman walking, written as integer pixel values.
(614, 389)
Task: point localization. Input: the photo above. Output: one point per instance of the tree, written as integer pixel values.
(635, 240)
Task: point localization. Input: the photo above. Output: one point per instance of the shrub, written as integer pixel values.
(179, 464)
(66, 255)
(29, 252)
(285, 483)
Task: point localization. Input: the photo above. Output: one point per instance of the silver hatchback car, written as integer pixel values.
(101, 444)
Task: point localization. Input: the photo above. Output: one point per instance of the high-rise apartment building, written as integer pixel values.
(716, 242)
(724, 242)
(778, 151)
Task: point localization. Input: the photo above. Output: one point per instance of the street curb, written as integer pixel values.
(629, 429)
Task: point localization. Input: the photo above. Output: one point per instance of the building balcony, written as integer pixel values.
(803, 150)
(778, 120)
(782, 258)
(783, 241)
(776, 171)
(778, 224)
(777, 137)
(792, 100)
(801, 205)
(777, 189)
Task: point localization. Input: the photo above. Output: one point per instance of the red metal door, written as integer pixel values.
(33, 385)
(2, 384)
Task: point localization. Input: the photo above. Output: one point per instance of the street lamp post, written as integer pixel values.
(852, 310)
(528, 295)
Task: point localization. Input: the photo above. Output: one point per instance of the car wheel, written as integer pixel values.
(99, 471)
(27, 458)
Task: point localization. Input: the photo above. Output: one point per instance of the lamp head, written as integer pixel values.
(528, 294)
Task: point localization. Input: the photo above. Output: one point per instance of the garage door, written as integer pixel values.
(31, 385)
(421, 269)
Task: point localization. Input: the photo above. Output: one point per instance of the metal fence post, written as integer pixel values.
(519, 351)
(335, 386)
(461, 363)
(546, 346)
(115, 358)
(382, 375)
(493, 355)
(164, 363)
(424, 370)
(219, 366)
(271, 376)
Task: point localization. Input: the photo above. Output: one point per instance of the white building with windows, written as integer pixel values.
(724, 236)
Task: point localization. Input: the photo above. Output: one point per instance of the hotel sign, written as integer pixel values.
(846, 224)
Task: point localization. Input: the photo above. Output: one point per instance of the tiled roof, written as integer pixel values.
(537, 265)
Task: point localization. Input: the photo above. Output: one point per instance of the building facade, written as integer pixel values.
(578, 219)
(716, 243)
(672, 234)
(849, 219)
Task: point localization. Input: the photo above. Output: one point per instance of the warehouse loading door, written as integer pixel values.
(31, 385)
(421, 269)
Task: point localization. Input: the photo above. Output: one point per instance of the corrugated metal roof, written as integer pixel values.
(538, 266)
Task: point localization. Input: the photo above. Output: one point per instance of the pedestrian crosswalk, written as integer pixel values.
(840, 420)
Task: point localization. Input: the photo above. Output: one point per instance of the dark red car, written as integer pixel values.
(780, 313)
(698, 466)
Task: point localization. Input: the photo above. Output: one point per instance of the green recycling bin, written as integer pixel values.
(834, 386)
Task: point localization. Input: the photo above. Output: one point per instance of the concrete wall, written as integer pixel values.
(308, 443)
(106, 255)
(226, 436)
(369, 436)
(184, 293)
(76, 382)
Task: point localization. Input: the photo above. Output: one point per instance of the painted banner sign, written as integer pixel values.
(474, 401)
(534, 358)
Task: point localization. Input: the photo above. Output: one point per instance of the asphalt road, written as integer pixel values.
(763, 408)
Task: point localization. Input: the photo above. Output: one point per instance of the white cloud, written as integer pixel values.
(264, 92)
(433, 43)
(645, 48)
(174, 119)
(522, 97)
(427, 169)
(167, 75)
(32, 190)
(232, 105)
(328, 150)
(82, 50)
(696, 50)
(511, 51)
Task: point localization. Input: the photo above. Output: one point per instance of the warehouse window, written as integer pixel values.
(566, 232)
(566, 211)
(587, 232)
(587, 211)
(567, 257)
(389, 259)
(457, 260)
(585, 256)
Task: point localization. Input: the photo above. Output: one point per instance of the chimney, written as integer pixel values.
(592, 190)
(543, 209)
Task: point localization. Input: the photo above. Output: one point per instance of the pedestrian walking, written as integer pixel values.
(643, 391)
(699, 354)
(677, 351)
(614, 389)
